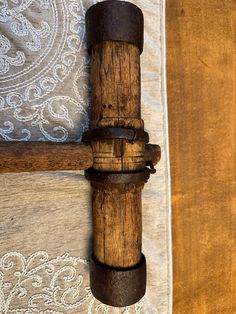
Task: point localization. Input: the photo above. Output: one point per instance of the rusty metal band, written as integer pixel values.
(116, 21)
(118, 286)
(117, 178)
(129, 134)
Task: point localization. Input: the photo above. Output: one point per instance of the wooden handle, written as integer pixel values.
(44, 156)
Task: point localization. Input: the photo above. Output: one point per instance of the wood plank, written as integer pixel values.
(202, 110)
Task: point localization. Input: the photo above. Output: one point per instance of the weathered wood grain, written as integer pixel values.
(44, 156)
(115, 78)
(202, 111)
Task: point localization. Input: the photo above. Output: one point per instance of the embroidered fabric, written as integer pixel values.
(28, 285)
(44, 96)
(42, 46)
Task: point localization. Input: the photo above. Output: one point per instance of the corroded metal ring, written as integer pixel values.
(118, 286)
(116, 21)
(129, 134)
(117, 178)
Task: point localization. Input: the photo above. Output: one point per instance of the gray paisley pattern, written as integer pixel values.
(37, 285)
(50, 53)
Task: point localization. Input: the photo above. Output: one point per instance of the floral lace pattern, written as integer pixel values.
(42, 48)
(5, 60)
(40, 285)
(12, 13)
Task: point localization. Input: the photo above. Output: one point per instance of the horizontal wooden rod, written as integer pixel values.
(49, 156)
(44, 156)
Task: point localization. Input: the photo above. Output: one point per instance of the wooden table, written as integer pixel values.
(201, 99)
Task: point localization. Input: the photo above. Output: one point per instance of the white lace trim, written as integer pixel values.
(42, 42)
(38, 284)
(5, 60)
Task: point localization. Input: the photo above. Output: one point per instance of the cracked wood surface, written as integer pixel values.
(201, 101)
(115, 78)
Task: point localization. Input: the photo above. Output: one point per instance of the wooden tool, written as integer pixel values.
(114, 153)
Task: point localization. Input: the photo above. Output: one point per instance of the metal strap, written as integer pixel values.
(129, 134)
(116, 21)
(118, 287)
(117, 178)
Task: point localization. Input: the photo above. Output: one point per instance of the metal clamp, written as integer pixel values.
(102, 23)
(117, 178)
(118, 286)
(129, 134)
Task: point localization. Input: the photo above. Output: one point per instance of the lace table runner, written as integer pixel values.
(45, 226)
